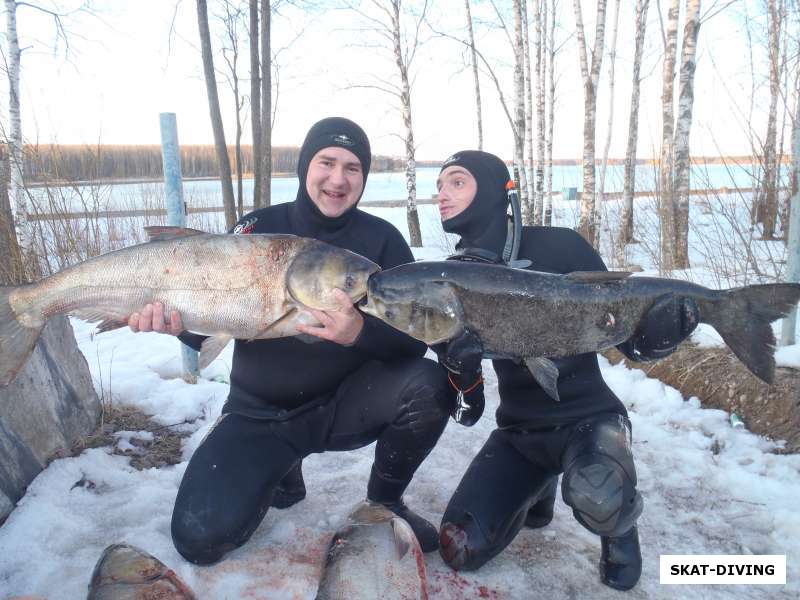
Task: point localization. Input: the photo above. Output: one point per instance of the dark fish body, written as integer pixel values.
(225, 286)
(125, 572)
(374, 555)
(528, 314)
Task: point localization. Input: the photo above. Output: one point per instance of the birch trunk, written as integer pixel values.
(587, 225)
(266, 104)
(16, 183)
(769, 201)
(551, 52)
(474, 55)
(539, 40)
(216, 117)
(667, 199)
(629, 185)
(412, 217)
(683, 129)
(255, 102)
(528, 108)
(612, 58)
(519, 116)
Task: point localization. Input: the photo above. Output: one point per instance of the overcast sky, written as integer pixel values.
(124, 68)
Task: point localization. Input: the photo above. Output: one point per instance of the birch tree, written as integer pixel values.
(587, 224)
(612, 63)
(528, 108)
(540, 15)
(768, 195)
(230, 54)
(551, 82)
(216, 117)
(682, 130)
(399, 31)
(474, 60)
(626, 225)
(666, 208)
(519, 114)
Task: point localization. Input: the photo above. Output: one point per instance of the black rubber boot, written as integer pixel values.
(541, 513)
(389, 492)
(291, 489)
(621, 560)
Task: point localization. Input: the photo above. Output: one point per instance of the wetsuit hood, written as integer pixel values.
(333, 131)
(483, 225)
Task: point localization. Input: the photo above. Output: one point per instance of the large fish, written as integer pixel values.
(374, 555)
(529, 315)
(225, 286)
(125, 572)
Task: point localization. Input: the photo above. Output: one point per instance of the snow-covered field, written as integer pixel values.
(708, 489)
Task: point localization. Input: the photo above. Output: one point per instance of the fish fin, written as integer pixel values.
(210, 349)
(403, 534)
(158, 233)
(17, 341)
(307, 338)
(274, 324)
(596, 276)
(545, 372)
(110, 324)
(742, 316)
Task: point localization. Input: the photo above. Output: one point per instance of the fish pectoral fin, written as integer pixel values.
(545, 372)
(403, 534)
(307, 338)
(597, 276)
(264, 332)
(111, 324)
(210, 349)
(158, 233)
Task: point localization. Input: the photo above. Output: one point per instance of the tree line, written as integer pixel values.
(70, 163)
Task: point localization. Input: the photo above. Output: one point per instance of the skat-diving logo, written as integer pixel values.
(342, 140)
(246, 226)
(450, 160)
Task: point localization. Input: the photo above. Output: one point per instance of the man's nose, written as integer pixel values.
(337, 176)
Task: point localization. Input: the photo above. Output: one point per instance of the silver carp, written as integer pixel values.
(374, 555)
(529, 315)
(125, 572)
(246, 287)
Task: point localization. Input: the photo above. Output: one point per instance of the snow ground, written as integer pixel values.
(708, 489)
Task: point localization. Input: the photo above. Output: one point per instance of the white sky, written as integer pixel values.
(121, 73)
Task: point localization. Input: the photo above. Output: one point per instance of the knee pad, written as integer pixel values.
(599, 481)
(463, 545)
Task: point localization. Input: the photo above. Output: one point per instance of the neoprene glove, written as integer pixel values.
(669, 321)
(461, 356)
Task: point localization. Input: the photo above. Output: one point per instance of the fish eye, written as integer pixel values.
(389, 314)
(349, 281)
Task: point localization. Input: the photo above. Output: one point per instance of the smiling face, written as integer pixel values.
(457, 188)
(334, 181)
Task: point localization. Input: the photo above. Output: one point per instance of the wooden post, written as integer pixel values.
(176, 210)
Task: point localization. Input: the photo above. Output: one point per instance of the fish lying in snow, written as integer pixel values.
(529, 315)
(225, 286)
(127, 573)
(374, 555)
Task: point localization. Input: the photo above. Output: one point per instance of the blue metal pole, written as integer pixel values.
(176, 210)
(793, 246)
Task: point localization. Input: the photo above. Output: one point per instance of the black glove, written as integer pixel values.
(669, 321)
(462, 354)
(470, 401)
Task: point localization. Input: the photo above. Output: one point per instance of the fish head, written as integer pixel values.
(426, 309)
(320, 268)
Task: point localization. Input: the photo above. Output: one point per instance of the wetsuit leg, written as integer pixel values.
(227, 487)
(404, 405)
(599, 482)
(489, 506)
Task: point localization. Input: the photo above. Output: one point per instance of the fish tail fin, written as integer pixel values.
(17, 340)
(742, 316)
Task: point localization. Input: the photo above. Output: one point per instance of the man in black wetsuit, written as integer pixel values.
(512, 481)
(364, 382)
